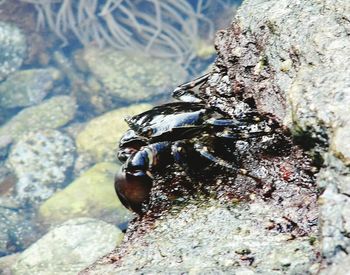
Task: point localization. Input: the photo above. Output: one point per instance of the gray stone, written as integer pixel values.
(27, 87)
(68, 248)
(12, 49)
(41, 161)
(6, 262)
(217, 238)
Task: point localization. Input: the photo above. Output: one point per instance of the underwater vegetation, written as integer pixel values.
(159, 28)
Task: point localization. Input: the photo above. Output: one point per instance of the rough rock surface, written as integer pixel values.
(68, 247)
(41, 160)
(291, 57)
(27, 87)
(308, 45)
(12, 48)
(218, 238)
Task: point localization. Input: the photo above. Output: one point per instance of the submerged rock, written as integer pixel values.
(100, 137)
(12, 49)
(17, 227)
(90, 195)
(41, 161)
(27, 87)
(132, 76)
(68, 248)
(50, 114)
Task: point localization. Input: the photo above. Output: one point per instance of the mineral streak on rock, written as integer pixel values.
(290, 59)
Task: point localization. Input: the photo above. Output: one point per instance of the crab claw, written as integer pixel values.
(132, 190)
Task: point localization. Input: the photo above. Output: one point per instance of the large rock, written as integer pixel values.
(90, 195)
(68, 248)
(27, 87)
(217, 239)
(308, 45)
(50, 114)
(291, 58)
(100, 136)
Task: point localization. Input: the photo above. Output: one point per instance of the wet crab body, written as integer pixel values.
(186, 132)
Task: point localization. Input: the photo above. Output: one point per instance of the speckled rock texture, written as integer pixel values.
(218, 239)
(68, 247)
(12, 49)
(41, 161)
(17, 228)
(291, 58)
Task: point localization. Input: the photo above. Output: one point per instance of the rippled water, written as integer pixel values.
(70, 71)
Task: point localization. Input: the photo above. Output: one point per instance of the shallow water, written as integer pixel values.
(69, 74)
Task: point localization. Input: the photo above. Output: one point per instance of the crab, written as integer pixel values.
(188, 133)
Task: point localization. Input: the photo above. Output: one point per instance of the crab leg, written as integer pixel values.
(204, 152)
(184, 93)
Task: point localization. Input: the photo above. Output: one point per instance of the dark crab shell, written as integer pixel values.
(171, 121)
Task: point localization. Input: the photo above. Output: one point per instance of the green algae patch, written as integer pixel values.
(101, 135)
(50, 114)
(90, 195)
